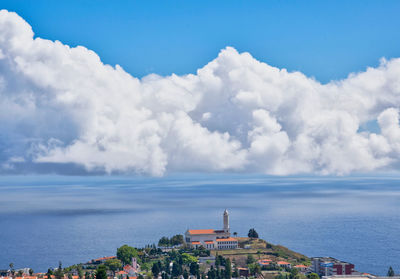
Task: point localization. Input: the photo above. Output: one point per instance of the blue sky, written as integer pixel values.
(324, 39)
(63, 111)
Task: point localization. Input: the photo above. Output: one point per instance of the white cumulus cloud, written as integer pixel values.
(62, 108)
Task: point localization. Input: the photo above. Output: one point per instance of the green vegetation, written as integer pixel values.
(254, 269)
(59, 272)
(252, 233)
(101, 272)
(250, 259)
(390, 272)
(176, 240)
(313, 276)
(125, 254)
(256, 249)
(175, 261)
(113, 265)
(188, 259)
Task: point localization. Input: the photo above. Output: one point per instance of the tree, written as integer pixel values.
(235, 273)
(164, 242)
(313, 276)
(155, 269)
(293, 273)
(176, 270)
(80, 271)
(69, 276)
(20, 273)
(212, 274)
(390, 272)
(30, 271)
(250, 259)
(59, 272)
(11, 265)
(194, 268)
(177, 240)
(219, 260)
(254, 269)
(125, 254)
(252, 233)
(87, 275)
(188, 259)
(228, 269)
(140, 276)
(185, 274)
(101, 272)
(113, 265)
(235, 234)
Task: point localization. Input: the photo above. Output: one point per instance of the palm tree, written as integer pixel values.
(235, 233)
(390, 272)
(11, 265)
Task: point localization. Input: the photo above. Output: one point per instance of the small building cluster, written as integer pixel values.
(212, 239)
(327, 266)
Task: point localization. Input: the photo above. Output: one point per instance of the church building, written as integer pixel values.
(212, 239)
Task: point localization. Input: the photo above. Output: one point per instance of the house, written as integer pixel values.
(132, 269)
(264, 262)
(284, 264)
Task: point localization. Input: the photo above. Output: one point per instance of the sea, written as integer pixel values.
(47, 219)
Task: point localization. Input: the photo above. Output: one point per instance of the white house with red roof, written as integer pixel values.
(212, 239)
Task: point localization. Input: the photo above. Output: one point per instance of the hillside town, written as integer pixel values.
(203, 254)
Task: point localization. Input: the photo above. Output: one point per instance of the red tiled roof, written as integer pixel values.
(195, 242)
(283, 262)
(301, 266)
(265, 261)
(121, 272)
(209, 242)
(201, 231)
(128, 267)
(226, 239)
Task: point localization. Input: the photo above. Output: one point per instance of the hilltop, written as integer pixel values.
(261, 249)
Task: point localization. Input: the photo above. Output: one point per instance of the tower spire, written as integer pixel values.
(226, 221)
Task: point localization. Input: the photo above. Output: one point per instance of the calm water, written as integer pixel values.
(74, 219)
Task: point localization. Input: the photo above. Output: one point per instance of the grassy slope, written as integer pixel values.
(260, 249)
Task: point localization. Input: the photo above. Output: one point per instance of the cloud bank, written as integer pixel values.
(61, 107)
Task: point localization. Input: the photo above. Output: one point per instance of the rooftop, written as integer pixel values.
(208, 231)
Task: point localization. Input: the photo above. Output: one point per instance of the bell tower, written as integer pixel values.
(226, 221)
